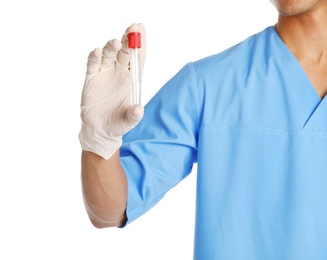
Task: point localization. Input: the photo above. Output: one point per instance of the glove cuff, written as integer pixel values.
(93, 142)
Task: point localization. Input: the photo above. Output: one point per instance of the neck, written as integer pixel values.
(305, 35)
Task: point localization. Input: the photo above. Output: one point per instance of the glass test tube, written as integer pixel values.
(134, 45)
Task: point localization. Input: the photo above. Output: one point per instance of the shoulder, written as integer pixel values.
(239, 55)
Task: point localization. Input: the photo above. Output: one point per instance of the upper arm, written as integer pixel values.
(160, 152)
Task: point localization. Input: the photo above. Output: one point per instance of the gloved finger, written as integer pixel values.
(123, 54)
(93, 61)
(109, 53)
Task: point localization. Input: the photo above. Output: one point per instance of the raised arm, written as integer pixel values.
(107, 114)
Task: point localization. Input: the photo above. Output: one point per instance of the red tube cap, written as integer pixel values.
(134, 40)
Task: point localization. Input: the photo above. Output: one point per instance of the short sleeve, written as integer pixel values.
(161, 150)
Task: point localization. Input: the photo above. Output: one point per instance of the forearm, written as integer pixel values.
(104, 189)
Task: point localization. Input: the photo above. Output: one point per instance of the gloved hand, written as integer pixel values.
(106, 110)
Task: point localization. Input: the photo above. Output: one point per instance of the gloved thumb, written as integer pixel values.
(134, 114)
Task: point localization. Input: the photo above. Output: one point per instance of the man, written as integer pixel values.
(253, 117)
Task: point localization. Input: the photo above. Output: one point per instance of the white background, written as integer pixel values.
(44, 46)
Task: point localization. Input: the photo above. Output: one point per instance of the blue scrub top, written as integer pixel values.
(257, 128)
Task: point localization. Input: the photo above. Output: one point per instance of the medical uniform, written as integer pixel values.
(256, 127)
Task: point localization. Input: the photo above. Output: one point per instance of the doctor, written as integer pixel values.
(254, 119)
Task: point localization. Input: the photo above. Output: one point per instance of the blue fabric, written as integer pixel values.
(257, 128)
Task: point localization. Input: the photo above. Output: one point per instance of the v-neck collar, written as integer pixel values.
(317, 106)
(317, 122)
(294, 60)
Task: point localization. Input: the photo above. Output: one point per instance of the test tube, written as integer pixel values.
(134, 45)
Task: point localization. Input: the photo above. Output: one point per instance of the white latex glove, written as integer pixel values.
(106, 110)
